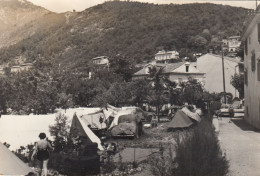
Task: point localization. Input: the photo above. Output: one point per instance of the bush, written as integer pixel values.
(198, 153)
(162, 163)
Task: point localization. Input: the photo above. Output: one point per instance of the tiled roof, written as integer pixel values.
(167, 68)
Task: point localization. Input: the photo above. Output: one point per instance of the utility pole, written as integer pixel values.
(223, 71)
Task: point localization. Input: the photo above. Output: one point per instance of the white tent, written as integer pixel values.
(190, 114)
(21, 130)
(10, 164)
(80, 127)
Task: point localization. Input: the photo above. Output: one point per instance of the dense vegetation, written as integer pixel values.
(134, 30)
(127, 32)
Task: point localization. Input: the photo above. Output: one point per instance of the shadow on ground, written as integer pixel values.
(243, 125)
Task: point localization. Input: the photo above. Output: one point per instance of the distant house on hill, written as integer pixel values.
(251, 40)
(22, 67)
(231, 44)
(101, 60)
(166, 56)
(177, 72)
(211, 65)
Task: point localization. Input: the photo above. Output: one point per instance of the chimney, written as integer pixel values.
(187, 65)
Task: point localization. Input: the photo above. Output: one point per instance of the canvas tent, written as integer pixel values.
(190, 114)
(179, 121)
(10, 164)
(95, 120)
(79, 127)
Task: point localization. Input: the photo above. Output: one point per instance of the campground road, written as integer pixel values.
(241, 144)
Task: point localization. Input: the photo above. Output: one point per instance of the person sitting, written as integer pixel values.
(41, 151)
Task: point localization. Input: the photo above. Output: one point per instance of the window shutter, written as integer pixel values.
(258, 70)
(253, 60)
(246, 77)
(258, 27)
(246, 47)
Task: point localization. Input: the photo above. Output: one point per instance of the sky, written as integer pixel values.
(80, 5)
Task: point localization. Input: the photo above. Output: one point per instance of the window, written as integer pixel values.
(246, 77)
(253, 60)
(258, 70)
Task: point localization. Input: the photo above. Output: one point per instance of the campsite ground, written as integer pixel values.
(146, 145)
(240, 143)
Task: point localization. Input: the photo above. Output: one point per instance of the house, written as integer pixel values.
(177, 72)
(211, 65)
(21, 67)
(166, 56)
(231, 44)
(251, 40)
(101, 60)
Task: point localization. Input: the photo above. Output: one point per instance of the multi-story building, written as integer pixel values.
(233, 43)
(101, 60)
(177, 72)
(251, 39)
(166, 56)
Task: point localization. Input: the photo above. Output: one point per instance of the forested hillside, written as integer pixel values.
(61, 46)
(133, 30)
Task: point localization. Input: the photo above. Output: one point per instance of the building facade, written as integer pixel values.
(101, 60)
(176, 72)
(211, 65)
(251, 39)
(166, 56)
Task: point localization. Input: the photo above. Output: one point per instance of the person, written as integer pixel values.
(41, 151)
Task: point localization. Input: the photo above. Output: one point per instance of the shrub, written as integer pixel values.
(162, 163)
(198, 153)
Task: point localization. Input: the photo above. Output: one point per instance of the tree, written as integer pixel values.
(60, 132)
(237, 81)
(158, 95)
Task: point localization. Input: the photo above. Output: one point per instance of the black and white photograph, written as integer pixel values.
(129, 87)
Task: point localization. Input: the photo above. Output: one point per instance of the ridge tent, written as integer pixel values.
(190, 114)
(94, 120)
(180, 120)
(80, 128)
(10, 164)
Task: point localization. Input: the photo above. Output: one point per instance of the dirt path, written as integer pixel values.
(242, 147)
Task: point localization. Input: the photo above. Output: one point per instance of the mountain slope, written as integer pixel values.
(133, 30)
(14, 15)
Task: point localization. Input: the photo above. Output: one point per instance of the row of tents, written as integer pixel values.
(126, 121)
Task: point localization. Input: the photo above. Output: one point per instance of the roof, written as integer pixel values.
(176, 68)
(100, 57)
(211, 65)
(167, 52)
(167, 68)
(10, 164)
(234, 37)
(250, 26)
(232, 59)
